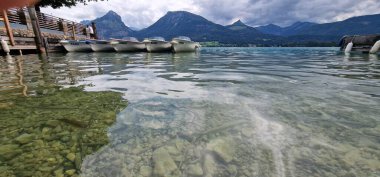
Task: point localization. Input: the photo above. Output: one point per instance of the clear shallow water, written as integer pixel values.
(227, 111)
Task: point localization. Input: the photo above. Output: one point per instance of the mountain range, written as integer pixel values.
(182, 23)
(293, 29)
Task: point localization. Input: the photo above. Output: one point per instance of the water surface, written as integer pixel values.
(226, 111)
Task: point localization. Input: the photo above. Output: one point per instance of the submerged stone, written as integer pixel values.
(145, 171)
(59, 173)
(209, 166)
(223, 147)
(163, 164)
(195, 170)
(24, 138)
(71, 157)
(70, 172)
(39, 137)
(9, 151)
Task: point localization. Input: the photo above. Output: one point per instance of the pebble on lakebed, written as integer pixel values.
(48, 134)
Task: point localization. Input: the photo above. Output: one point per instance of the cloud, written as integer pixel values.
(143, 13)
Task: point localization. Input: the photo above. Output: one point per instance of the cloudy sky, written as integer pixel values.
(142, 13)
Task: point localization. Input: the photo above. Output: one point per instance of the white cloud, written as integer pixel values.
(143, 13)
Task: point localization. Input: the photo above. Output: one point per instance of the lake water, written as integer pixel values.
(276, 112)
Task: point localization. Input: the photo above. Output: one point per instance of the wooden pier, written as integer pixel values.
(27, 30)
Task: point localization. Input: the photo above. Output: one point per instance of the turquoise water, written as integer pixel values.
(229, 111)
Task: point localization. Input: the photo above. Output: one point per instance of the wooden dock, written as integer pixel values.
(27, 30)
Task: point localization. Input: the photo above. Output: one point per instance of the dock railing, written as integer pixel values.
(17, 27)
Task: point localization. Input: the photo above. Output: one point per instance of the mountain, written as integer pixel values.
(111, 26)
(293, 29)
(296, 28)
(270, 29)
(238, 26)
(247, 33)
(85, 22)
(181, 23)
(368, 24)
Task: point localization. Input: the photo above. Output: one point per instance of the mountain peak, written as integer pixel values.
(111, 26)
(238, 23)
(176, 17)
(112, 14)
(180, 15)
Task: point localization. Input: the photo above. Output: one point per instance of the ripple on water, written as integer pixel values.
(227, 111)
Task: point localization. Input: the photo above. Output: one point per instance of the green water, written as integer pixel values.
(273, 112)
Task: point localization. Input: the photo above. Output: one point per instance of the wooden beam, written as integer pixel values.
(36, 29)
(8, 27)
(73, 30)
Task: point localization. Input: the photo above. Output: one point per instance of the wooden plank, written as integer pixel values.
(8, 27)
(26, 39)
(23, 47)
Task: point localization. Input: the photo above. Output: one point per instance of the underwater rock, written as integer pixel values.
(223, 147)
(9, 151)
(59, 173)
(24, 138)
(52, 123)
(195, 170)
(232, 169)
(70, 172)
(71, 157)
(145, 171)
(209, 166)
(163, 164)
(46, 135)
(247, 132)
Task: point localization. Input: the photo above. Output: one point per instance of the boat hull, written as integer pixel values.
(129, 47)
(77, 47)
(102, 47)
(159, 47)
(359, 43)
(186, 47)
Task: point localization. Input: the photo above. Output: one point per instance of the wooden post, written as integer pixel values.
(8, 28)
(63, 26)
(36, 29)
(73, 29)
(28, 21)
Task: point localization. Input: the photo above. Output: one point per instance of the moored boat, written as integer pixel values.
(76, 45)
(129, 44)
(184, 44)
(101, 46)
(360, 43)
(157, 44)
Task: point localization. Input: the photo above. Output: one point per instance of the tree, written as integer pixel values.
(62, 3)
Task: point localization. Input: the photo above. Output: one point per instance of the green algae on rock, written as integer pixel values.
(48, 134)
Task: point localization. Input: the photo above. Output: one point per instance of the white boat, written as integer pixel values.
(157, 44)
(129, 44)
(76, 45)
(184, 44)
(101, 46)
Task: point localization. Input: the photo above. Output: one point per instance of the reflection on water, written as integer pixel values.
(227, 111)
